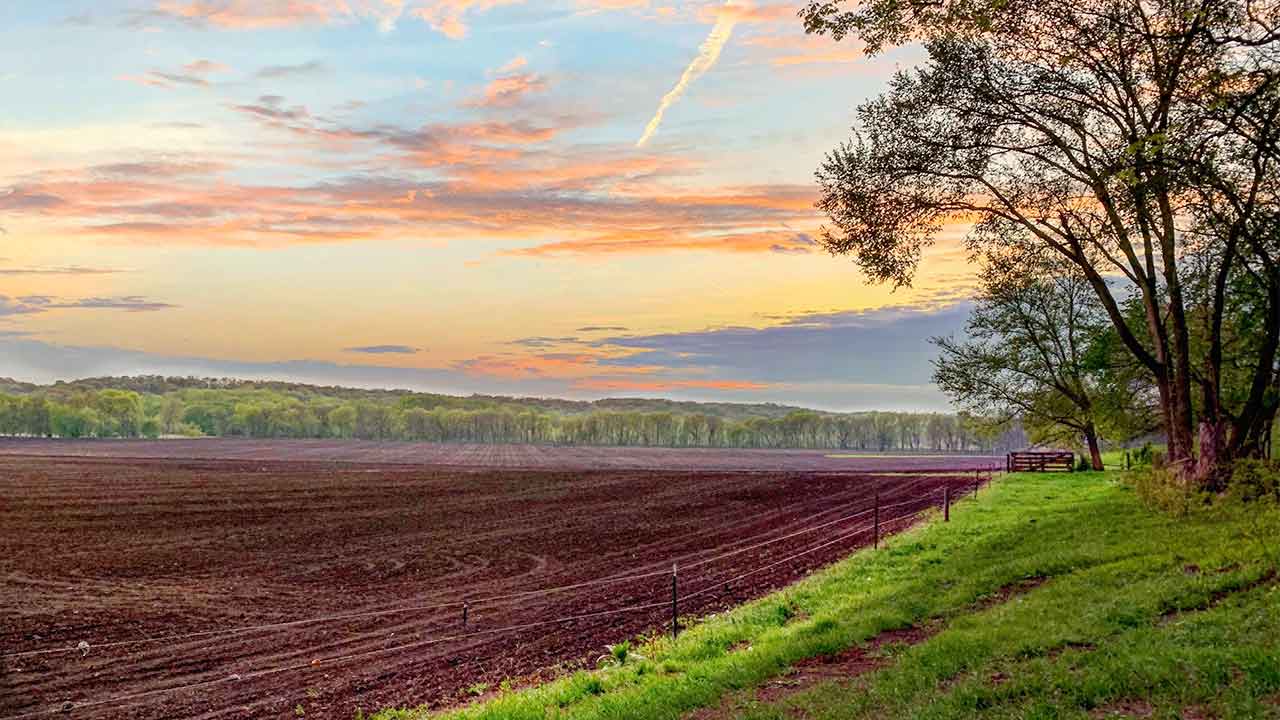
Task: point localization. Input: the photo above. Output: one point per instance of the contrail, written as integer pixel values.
(708, 54)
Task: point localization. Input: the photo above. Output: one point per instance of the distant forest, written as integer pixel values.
(152, 407)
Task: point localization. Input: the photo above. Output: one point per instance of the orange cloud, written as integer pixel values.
(179, 201)
(515, 64)
(746, 12)
(449, 16)
(446, 16)
(251, 14)
(799, 49)
(664, 240)
(509, 90)
(514, 367)
(613, 384)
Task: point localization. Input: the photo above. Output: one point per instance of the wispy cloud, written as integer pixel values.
(608, 384)
(193, 74)
(64, 270)
(384, 350)
(512, 65)
(668, 240)
(449, 16)
(275, 72)
(36, 304)
(509, 90)
(708, 54)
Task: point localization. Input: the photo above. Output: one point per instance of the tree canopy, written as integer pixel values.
(153, 407)
(1132, 142)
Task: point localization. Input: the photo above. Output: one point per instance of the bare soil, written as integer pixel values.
(106, 550)
(471, 456)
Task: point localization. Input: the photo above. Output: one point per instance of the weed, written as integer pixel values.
(477, 690)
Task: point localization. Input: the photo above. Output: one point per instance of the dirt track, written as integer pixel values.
(107, 550)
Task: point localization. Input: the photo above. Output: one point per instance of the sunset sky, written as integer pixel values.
(446, 195)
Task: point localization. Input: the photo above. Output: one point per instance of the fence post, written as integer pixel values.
(466, 610)
(675, 604)
(946, 503)
(875, 543)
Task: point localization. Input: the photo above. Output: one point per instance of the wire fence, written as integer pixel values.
(939, 499)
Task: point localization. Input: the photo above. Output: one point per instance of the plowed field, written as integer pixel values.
(168, 568)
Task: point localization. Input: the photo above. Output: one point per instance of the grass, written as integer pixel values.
(1130, 612)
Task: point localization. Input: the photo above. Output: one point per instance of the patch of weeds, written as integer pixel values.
(787, 611)
(618, 655)
(477, 690)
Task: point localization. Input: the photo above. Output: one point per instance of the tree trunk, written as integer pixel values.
(1213, 467)
(1095, 453)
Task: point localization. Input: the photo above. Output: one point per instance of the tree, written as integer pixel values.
(171, 413)
(71, 422)
(1026, 356)
(342, 421)
(1130, 139)
(121, 412)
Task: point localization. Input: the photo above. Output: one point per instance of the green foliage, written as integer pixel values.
(620, 651)
(1254, 484)
(619, 654)
(1255, 481)
(187, 408)
(1166, 490)
(477, 689)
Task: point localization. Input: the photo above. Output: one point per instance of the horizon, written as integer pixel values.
(438, 196)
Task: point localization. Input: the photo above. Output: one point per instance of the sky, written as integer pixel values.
(575, 198)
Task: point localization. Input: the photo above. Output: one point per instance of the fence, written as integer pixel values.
(880, 520)
(1046, 461)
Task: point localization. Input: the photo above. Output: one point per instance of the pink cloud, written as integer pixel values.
(449, 16)
(509, 90)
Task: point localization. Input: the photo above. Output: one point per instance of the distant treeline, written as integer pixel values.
(154, 407)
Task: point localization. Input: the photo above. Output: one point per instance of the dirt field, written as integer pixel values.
(502, 456)
(108, 550)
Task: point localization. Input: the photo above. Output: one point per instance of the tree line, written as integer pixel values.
(309, 413)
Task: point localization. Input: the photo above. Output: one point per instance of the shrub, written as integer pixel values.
(1254, 481)
(1144, 455)
(1163, 488)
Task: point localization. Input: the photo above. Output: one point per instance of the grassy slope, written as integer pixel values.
(1181, 614)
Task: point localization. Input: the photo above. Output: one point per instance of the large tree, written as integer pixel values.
(1028, 354)
(1135, 140)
